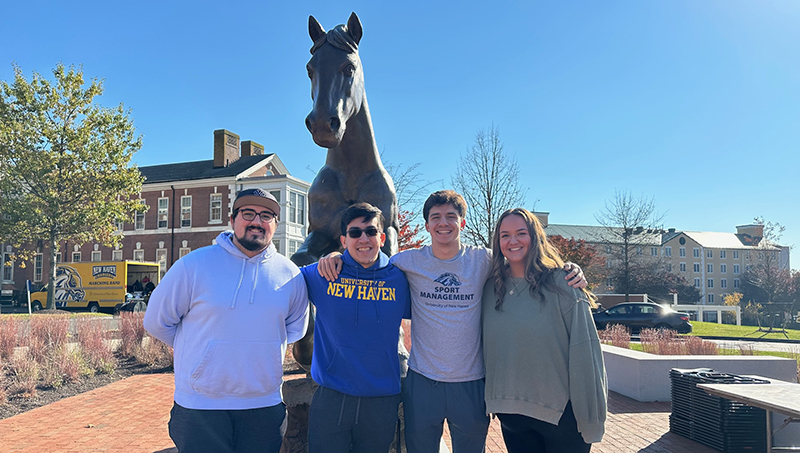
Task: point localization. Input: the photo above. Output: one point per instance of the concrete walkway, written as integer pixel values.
(131, 416)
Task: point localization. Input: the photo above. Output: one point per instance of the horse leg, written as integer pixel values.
(316, 245)
(390, 246)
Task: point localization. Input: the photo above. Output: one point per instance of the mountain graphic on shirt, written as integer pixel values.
(448, 279)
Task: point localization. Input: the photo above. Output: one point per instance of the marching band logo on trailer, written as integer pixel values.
(68, 285)
(104, 271)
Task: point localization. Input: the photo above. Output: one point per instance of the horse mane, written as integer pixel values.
(338, 37)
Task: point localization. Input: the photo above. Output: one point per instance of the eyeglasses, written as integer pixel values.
(249, 215)
(355, 233)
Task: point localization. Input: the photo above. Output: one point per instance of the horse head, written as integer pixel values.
(337, 80)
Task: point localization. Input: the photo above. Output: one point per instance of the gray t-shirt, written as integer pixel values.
(446, 311)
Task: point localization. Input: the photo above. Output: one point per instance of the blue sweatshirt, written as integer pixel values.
(229, 318)
(357, 325)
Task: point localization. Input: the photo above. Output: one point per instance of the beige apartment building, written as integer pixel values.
(714, 262)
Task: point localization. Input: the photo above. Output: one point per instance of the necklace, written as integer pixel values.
(515, 286)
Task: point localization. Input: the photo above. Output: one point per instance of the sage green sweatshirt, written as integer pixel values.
(540, 354)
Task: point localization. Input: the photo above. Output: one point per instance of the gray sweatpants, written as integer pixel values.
(427, 403)
(337, 421)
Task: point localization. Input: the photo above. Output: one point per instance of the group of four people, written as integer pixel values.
(502, 331)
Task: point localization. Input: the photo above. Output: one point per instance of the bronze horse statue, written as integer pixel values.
(340, 121)
(353, 172)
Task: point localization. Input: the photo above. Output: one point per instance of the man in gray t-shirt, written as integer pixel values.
(445, 378)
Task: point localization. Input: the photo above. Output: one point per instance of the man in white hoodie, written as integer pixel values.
(228, 311)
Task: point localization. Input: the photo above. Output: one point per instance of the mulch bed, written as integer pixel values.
(126, 367)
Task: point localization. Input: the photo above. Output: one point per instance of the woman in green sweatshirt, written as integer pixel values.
(545, 378)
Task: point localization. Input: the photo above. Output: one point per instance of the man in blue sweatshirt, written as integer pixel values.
(355, 359)
(228, 311)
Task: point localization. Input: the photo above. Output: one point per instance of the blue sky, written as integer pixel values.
(693, 103)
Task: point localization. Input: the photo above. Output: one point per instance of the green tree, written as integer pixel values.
(65, 172)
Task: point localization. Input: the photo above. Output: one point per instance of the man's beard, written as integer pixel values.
(254, 245)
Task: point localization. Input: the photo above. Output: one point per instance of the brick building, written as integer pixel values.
(189, 205)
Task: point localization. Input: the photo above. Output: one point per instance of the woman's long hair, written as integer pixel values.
(541, 262)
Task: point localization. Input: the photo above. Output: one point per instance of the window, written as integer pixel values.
(277, 244)
(735, 268)
(722, 254)
(161, 259)
(138, 255)
(138, 222)
(683, 267)
(163, 209)
(682, 252)
(696, 268)
(297, 208)
(696, 252)
(709, 253)
(215, 214)
(116, 255)
(668, 251)
(8, 268)
(735, 282)
(38, 261)
(609, 264)
(119, 225)
(638, 250)
(97, 256)
(183, 251)
(608, 249)
(747, 267)
(58, 257)
(669, 267)
(653, 251)
(276, 194)
(710, 283)
(710, 268)
(76, 257)
(723, 268)
(747, 255)
(186, 211)
(293, 246)
(710, 298)
(697, 283)
(610, 282)
(723, 283)
(736, 254)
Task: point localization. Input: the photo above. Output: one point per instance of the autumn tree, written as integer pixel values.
(488, 178)
(628, 223)
(410, 188)
(584, 255)
(65, 172)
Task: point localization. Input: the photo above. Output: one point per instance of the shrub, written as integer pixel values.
(96, 350)
(131, 332)
(24, 375)
(8, 336)
(617, 335)
(48, 333)
(64, 364)
(698, 346)
(153, 352)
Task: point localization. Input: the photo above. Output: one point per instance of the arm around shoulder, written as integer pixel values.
(297, 317)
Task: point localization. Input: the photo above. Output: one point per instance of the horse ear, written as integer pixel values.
(315, 30)
(354, 27)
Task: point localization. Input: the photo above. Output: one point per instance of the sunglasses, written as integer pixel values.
(355, 233)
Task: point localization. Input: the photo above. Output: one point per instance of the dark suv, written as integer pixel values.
(639, 315)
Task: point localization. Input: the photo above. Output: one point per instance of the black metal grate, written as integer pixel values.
(719, 423)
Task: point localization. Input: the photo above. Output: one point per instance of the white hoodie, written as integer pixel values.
(229, 319)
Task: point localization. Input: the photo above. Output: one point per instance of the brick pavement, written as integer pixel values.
(131, 416)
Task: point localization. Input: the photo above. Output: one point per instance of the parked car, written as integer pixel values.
(640, 315)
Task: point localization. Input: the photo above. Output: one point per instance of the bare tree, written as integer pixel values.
(630, 225)
(764, 269)
(409, 189)
(488, 178)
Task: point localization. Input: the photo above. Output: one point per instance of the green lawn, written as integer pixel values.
(726, 330)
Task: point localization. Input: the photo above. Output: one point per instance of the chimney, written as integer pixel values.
(671, 230)
(543, 218)
(226, 148)
(251, 148)
(752, 230)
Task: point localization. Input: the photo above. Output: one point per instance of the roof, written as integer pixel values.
(714, 240)
(600, 234)
(201, 169)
